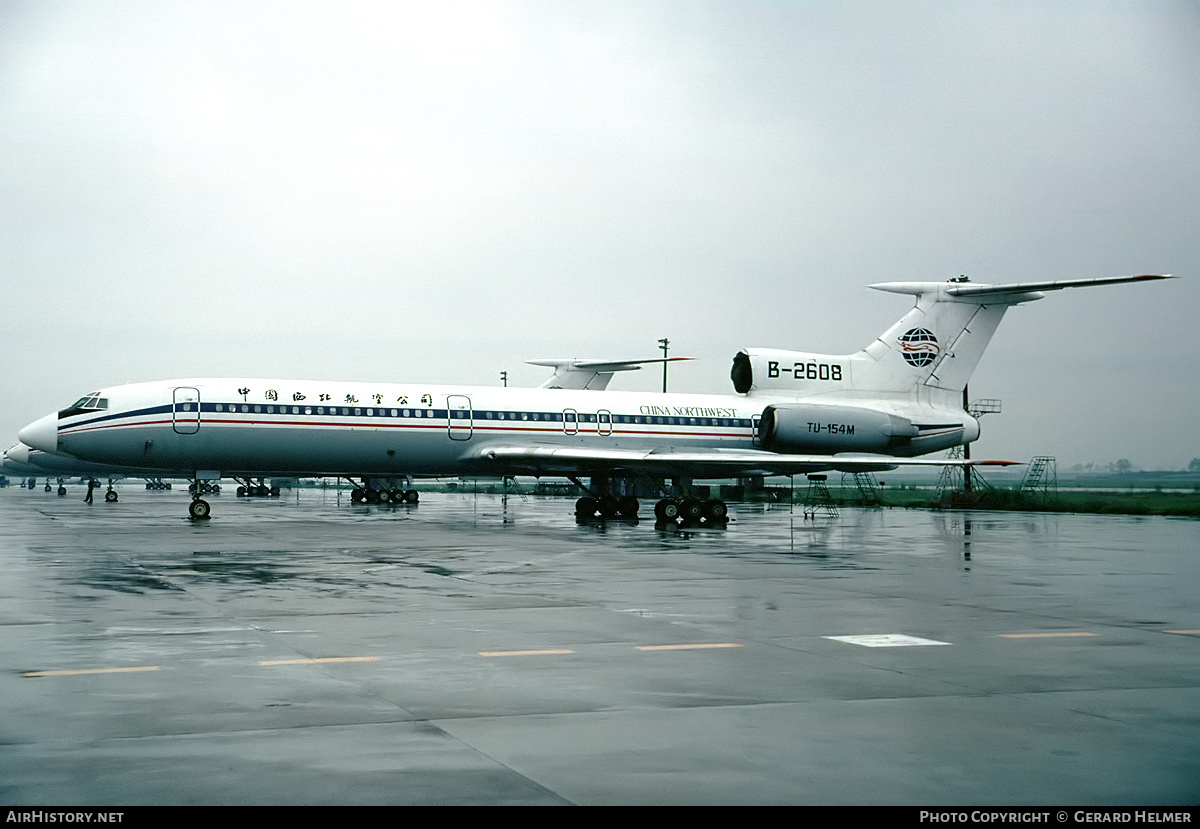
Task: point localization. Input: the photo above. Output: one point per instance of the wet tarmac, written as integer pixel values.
(471, 651)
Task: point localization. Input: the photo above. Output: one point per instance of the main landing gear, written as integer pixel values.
(606, 506)
(371, 492)
(693, 511)
(601, 504)
(248, 489)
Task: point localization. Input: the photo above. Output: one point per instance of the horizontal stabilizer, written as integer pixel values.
(576, 373)
(971, 289)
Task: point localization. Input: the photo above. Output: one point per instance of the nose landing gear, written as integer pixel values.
(199, 509)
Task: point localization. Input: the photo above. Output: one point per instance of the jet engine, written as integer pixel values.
(826, 430)
(762, 369)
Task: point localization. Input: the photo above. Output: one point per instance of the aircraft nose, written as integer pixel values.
(41, 434)
(18, 453)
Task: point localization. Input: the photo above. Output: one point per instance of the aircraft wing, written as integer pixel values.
(709, 463)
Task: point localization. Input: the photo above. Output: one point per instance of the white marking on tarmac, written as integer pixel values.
(886, 640)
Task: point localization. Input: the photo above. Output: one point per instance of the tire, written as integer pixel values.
(199, 510)
(670, 509)
(411, 496)
(585, 507)
(715, 510)
(628, 506)
(691, 509)
(110, 496)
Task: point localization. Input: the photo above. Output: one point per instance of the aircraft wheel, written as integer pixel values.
(274, 492)
(62, 490)
(667, 509)
(357, 496)
(715, 510)
(585, 507)
(48, 487)
(110, 496)
(241, 492)
(691, 509)
(411, 496)
(628, 506)
(216, 489)
(199, 509)
(608, 507)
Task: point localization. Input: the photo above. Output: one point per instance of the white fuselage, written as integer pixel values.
(311, 427)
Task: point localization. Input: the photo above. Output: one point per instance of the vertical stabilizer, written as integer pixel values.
(940, 341)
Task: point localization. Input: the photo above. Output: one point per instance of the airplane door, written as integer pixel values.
(604, 422)
(570, 421)
(186, 411)
(459, 422)
(754, 431)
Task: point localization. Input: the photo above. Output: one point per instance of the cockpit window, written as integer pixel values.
(88, 403)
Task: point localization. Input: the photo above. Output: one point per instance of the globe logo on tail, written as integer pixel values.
(919, 347)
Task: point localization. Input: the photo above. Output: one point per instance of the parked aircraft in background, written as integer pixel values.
(34, 463)
(792, 412)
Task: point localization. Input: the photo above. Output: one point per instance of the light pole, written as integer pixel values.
(663, 343)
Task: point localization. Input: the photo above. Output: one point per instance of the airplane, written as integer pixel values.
(791, 412)
(29, 462)
(26, 472)
(34, 463)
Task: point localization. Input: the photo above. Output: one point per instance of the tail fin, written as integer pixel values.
(934, 347)
(940, 341)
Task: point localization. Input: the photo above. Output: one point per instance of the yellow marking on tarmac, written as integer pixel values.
(82, 671)
(689, 647)
(320, 660)
(523, 653)
(1184, 632)
(1065, 634)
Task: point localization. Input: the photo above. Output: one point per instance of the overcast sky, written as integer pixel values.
(439, 191)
